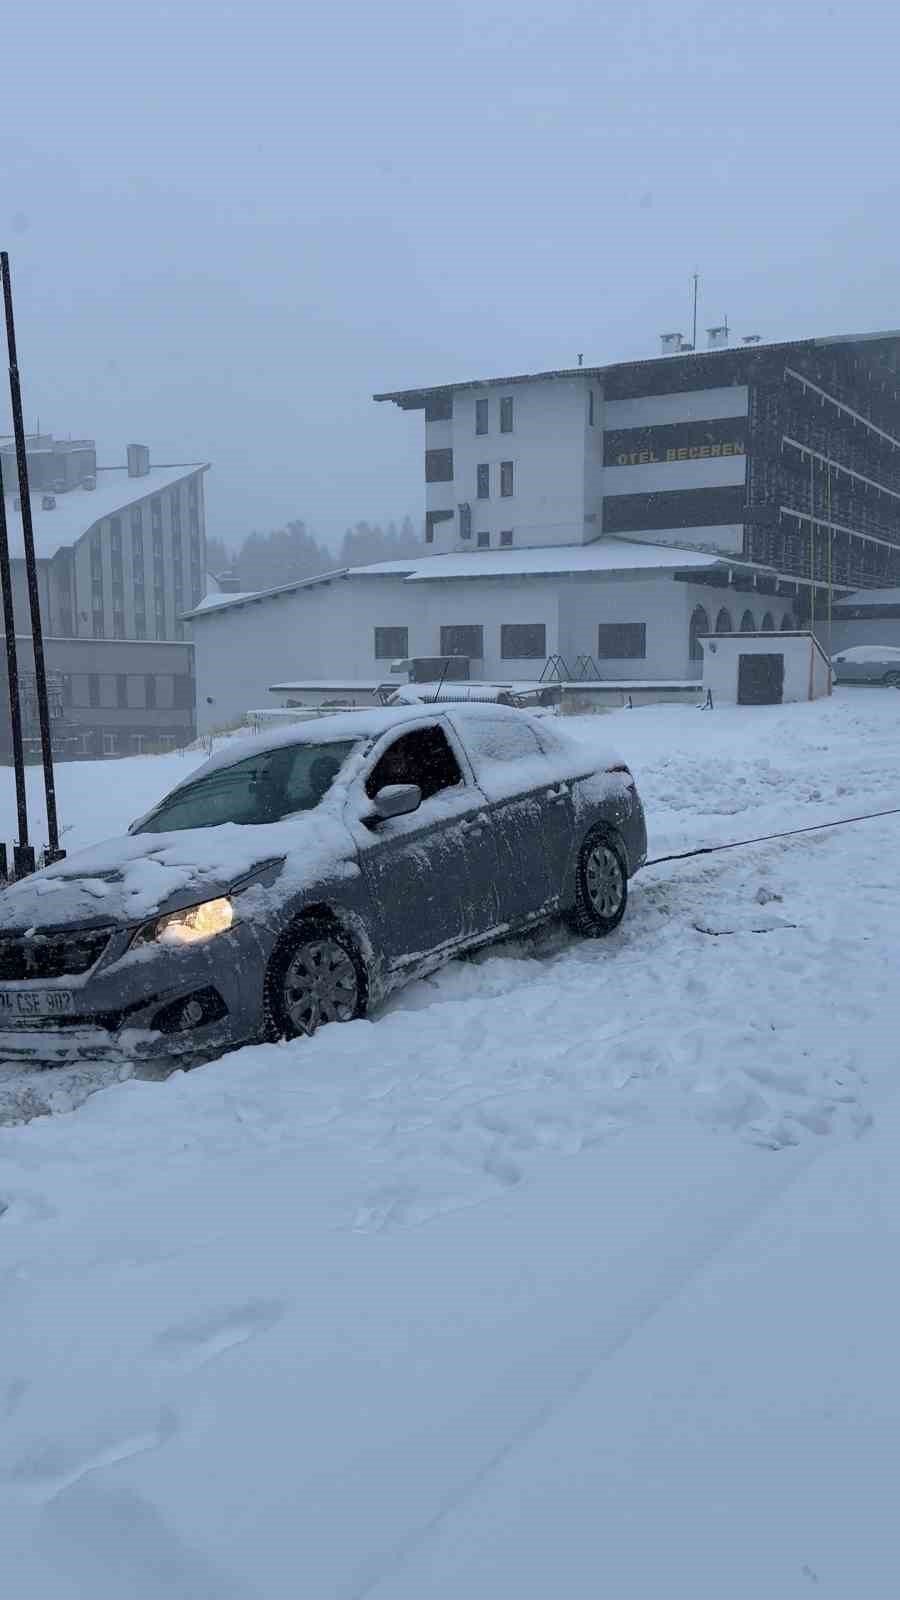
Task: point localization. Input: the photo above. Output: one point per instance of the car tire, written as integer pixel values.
(315, 976)
(892, 679)
(601, 884)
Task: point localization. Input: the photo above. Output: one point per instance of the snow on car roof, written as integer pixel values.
(868, 652)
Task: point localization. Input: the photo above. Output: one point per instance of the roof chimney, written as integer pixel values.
(670, 343)
(717, 338)
(138, 460)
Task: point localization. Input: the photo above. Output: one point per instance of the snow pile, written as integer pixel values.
(569, 1273)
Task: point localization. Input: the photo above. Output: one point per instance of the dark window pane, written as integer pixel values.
(463, 640)
(391, 644)
(483, 474)
(523, 641)
(150, 691)
(439, 407)
(506, 414)
(481, 416)
(121, 691)
(432, 518)
(465, 521)
(621, 641)
(590, 408)
(506, 479)
(484, 541)
(94, 689)
(506, 536)
(438, 466)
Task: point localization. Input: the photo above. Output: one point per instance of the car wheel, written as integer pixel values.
(601, 884)
(316, 976)
(892, 679)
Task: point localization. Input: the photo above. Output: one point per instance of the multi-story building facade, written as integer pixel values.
(121, 551)
(786, 456)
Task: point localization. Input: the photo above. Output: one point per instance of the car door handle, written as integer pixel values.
(476, 825)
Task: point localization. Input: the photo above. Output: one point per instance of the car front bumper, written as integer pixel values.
(130, 1006)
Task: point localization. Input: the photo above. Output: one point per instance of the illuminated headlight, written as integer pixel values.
(190, 926)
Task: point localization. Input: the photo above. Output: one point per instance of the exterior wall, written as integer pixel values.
(162, 538)
(661, 604)
(801, 660)
(860, 630)
(102, 695)
(547, 449)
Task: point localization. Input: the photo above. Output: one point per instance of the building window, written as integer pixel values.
(523, 641)
(787, 622)
(439, 407)
(110, 740)
(432, 518)
(506, 414)
(699, 626)
(438, 466)
(723, 622)
(150, 691)
(483, 477)
(463, 640)
(506, 536)
(621, 641)
(481, 416)
(484, 541)
(115, 534)
(118, 624)
(768, 623)
(140, 627)
(99, 629)
(506, 479)
(590, 408)
(121, 691)
(391, 644)
(137, 523)
(465, 521)
(93, 689)
(175, 506)
(137, 740)
(748, 622)
(156, 514)
(183, 691)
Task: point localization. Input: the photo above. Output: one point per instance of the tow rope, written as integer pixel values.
(767, 838)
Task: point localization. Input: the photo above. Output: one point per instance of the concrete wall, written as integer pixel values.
(802, 661)
(859, 631)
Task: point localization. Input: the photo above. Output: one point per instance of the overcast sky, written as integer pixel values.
(230, 223)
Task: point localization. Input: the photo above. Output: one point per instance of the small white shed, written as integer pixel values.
(764, 669)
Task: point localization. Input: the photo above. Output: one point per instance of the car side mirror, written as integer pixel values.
(396, 800)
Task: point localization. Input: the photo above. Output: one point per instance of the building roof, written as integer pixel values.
(872, 597)
(223, 598)
(414, 399)
(604, 555)
(78, 509)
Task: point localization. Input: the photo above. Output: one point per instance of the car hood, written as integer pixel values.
(127, 880)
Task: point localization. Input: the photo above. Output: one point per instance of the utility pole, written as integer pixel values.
(34, 599)
(22, 855)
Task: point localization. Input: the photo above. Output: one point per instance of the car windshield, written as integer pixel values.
(260, 789)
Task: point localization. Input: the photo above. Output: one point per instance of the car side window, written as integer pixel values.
(424, 757)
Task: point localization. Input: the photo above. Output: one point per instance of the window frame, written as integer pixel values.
(639, 628)
(483, 540)
(508, 629)
(371, 788)
(482, 416)
(507, 411)
(507, 480)
(390, 655)
(483, 480)
(460, 627)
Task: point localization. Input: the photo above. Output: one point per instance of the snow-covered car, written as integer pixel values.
(298, 877)
(868, 663)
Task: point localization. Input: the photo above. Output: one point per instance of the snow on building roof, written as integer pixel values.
(217, 598)
(871, 597)
(414, 399)
(78, 509)
(604, 555)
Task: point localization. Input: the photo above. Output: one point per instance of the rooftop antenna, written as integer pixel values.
(696, 280)
(581, 360)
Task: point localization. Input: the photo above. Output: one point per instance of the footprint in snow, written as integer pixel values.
(51, 1465)
(191, 1344)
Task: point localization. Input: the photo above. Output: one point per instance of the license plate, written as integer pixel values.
(35, 1003)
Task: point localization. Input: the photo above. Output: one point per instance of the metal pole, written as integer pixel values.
(694, 331)
(12, 672)
(34, 599)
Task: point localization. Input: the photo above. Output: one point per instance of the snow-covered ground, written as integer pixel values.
(571, 1273)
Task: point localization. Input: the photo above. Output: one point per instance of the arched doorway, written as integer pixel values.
(748, 622)
(699, 626)
(723, 622)
(768, 623)
(787, 622)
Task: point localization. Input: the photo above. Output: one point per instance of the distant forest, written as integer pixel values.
(265, 560)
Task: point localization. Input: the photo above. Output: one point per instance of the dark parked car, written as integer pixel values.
(296, 878)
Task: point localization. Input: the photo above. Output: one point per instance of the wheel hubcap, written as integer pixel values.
(604, 880)
(320, 985)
